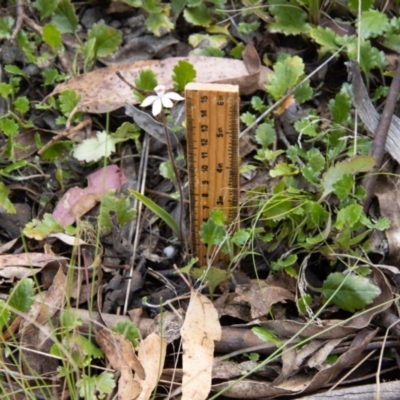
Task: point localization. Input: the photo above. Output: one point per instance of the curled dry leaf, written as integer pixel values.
(151, 353)
(19, 266)
(77, 202)
(121, 355)
(261, 296)
(199, 331)
(102, 91)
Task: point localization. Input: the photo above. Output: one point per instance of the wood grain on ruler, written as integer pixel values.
(212, 125)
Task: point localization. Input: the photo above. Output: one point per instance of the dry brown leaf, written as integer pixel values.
(121, 355)
(261, 296)
(102, 91)
(151, 353)
(387, 192)
(199, 331)
(288, 365)
(251, 389)
(119, 351)
(37, 330)
(22, 265)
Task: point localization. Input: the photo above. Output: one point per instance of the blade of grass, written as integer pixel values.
(164, 215)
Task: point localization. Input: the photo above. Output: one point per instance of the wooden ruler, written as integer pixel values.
(212, 126)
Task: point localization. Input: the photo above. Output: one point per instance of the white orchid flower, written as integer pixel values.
(161, 100)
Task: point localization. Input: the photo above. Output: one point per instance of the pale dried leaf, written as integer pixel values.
(261, 296)
(119, 351)
(151, 353)
(103, 91)
(22, 265)
(199, 331)
(319, 358)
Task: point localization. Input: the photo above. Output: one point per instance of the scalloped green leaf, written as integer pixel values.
(349, 292)
(22, 296)
(107, 39)
(183, 73)
(198, 15)
(290, 19)
(52, 36)
(287, 74)
(373, 23)
(64, 17)
(350, 166)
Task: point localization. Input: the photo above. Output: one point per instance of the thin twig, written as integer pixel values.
(20, 18)
(379, 143)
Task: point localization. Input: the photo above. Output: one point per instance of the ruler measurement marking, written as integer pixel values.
(212, 124)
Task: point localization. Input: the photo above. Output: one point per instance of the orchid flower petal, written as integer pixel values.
(173, 96)
(160, 90)
(157, 106)
(167, 103)
(148, 101)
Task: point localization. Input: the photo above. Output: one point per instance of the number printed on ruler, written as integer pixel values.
(212, 125)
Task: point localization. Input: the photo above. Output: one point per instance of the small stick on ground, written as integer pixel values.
(379, 143)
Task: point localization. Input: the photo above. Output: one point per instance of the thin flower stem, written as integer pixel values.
(177, 177)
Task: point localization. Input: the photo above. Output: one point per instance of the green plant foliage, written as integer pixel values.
(39, 229)
(183, 73)
(64, 17)
(286, 265)
(156, 209)
(167, 170)
(211, 276)
(120, 206)
(198, 14)
(241, 237)
(340, 107)
(267, 336)
(373, 23)
(107, 39)
(265, 135)
(365, 4)
(326, 38)
(22, 296)
(351, 166)
(4, 315)
(21, 104)
(52, 36)
(349, 292)
(68, 100)
(247, 118)
(348, 216)
(96, 148)
(290, 19)
(6, 27)
(4, 200)
(158, 22)
(212, 232)
(45, 7)
(304, 302)
(146, 80)
(288, 73)
(70, 319)
(129, 330)
(91, 387)
(370, 57)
